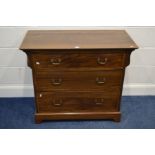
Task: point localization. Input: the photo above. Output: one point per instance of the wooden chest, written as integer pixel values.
(78, 74)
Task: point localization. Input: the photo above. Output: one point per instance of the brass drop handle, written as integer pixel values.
(99, 101)
(57, 103)
(57, 81)
(102, 61)
(100, 80)
(56, 61)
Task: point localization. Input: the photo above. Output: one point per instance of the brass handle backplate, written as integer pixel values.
(56, 61)
(57, 103)
(102, 61)
(99, 101)
(100, 80)
(57, 81)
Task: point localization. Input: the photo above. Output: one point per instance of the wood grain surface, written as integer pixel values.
(75, 39)
(78, 74)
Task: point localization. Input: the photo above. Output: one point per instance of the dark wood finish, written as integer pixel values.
(78, 74)
(85, 80)
(75, 39)
(77, 101)
(60, 61)
(39, 117)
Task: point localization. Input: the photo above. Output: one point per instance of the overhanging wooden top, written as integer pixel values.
(77, 39)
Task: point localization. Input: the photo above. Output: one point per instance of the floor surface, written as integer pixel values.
(138, 112)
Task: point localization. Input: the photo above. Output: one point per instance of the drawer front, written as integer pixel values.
(76, 102)
(78, 80)
(44, 62)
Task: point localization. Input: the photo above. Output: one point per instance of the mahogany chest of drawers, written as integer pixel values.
(78, 74)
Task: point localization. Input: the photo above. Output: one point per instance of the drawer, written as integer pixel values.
(44, 62)
(78, 80)
(76, 102)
